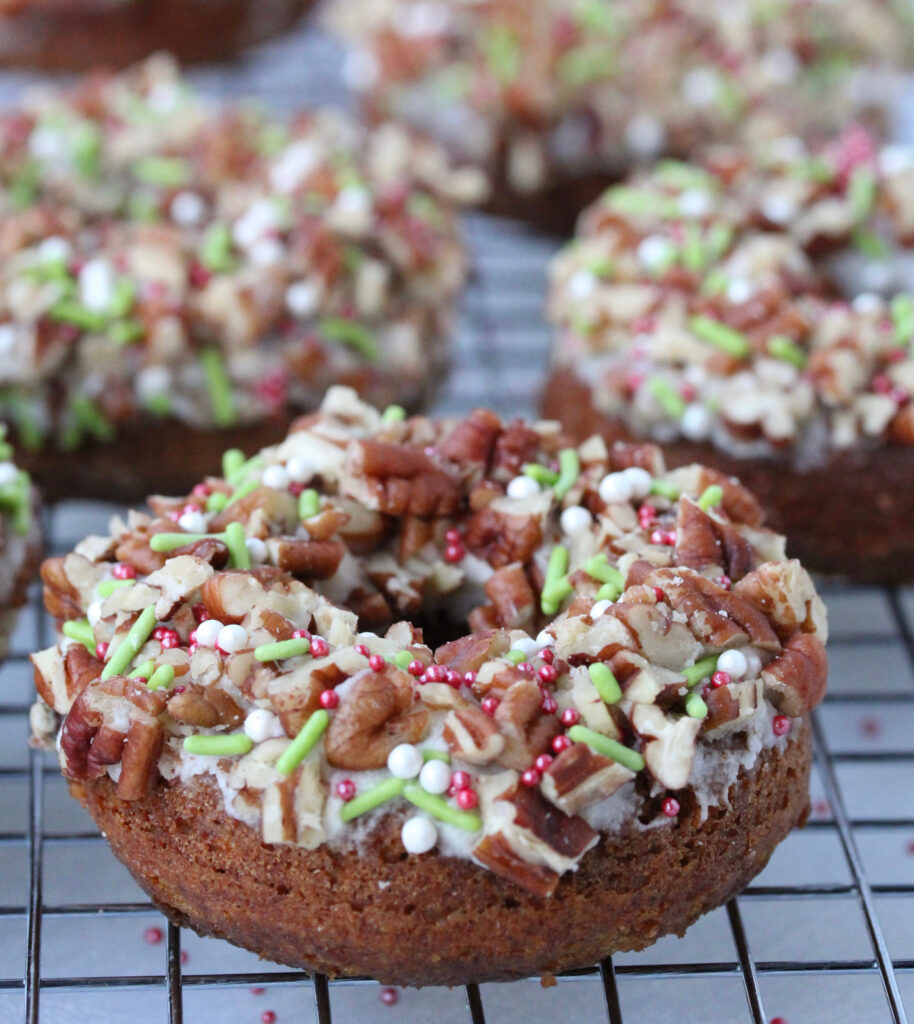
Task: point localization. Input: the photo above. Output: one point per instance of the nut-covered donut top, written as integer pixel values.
(637, 639)
(552, 86)
(162, 257)
(20, 532)
(699, 299)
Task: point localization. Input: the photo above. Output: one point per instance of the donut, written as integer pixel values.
(275, 714)
(726, 308)
(554, 100)
(181, 278)
(74, 35)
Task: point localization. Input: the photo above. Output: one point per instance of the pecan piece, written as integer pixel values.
(61, 598)
(516, 445)
(578, 777)
(702, 542)
(670, 744)
(512, 597)
(472, 735)
(740, 505)
(795, 681)
(473, 439)
(527, 731)
(264, 511)
(205, 707)
(501, 538)
(312, 559)
(787, 595)
(399, 479)
(470, 653)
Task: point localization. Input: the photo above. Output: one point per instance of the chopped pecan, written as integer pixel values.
(663, 640)
(264, 512)
(669, 746)
(512, 597)
(516, 445)
(61, 598)
(205, 707)
(795, 680)
(578, 777)
(296, 695)
(628, 455)
(501, 538)
(786, 594)
(415, 533)
(207, 549)
(177, 581)
(293, 808)
(500, 857)
(527, 731)
(473, 439)
(469, 653)
(400, 480)
(472, 736)
(229, 596)
(702, 542)
(60, 678)
(730, 705)
(81, 668)
(901, 429)
(133, 548)
(326, 523)
(740, 505)
(374, 716)
(311, 559)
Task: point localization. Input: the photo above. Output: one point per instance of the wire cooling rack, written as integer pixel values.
(823, 936)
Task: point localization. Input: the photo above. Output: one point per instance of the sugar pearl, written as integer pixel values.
(404, 761)
(574, 520)
(740, 290)
(96, 285)
(599, 608)
(615, 488)
(581, 285)
(299, 470)
(419, 835)
(266, 252)
(655, 251)
(523, 487)
(55, 249)
(695, 202)
(639, 480)
(256, 549)
(779, 208)
(303, 298)
(275, 477)
(8, 474)
(696, 422)
(187, 208)
(868, 302)
(733, 663)
(193, 522)
(231, 638)
(207, 632)
(435, 777)
(645, 135)
(261, 725)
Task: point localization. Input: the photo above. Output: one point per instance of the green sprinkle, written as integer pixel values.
(439, 808)
(167, 171)
(436, 755)
(6, 449)
(27, 425)
(309, 503)
(541, 474)
(605, 683)
(145, 670)
(584, 65)
(516, 657)
(282, 649)
(91, 419)
(16, 498)
(695, 706)
(219, 746)
(715, 282)
(870, 244)
(710, 496)
(694, 250)
(782, 347)
(555, 587)
(666, 396)
(402, 659)
(122, 298)
(129, 647)
(232, 461)
(599, 568)
(69, 311)
(216, 252)
(569, 471)
(242, 491)
(682, 175)
(384, 791)
(861, 192)
(162, 678)
(304, 742)
(80, 631)
(615, 751)
(126, 332)
(902, 309)
(107, 587)
(608, 592)
(721, 336)
(634, 201)
(701, 669)
(720, 235)
(87, 148)
(240, 473)
(236, 542)
(216, 502)
(165, 542)
(502, 52)
(353, 334)
(219, 387)
(393, 414)
(665, 489)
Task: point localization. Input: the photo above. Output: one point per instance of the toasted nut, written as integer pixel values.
(310, 559)
(400, 480)
(205, 707)
(61, 598)
(578, 777)
(512, 597)
(795, 681)
(473, 439)
(527, 731)
(264, 512)
(177, 581)
(516, 445)
(739, 504)
(786, 594)
(472, 735)
(469, 653)
(670, 744)
(501, 538)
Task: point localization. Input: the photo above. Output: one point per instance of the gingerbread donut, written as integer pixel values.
(252, 716)
(555, 99)
(182, 279)
(752, 310)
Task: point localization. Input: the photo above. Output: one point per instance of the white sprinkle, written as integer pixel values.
(163, 97)
(256, 549)
(615, 489)
(582, 284)
(656, 252)
(260, 218)
(352, 210)
(435, 776)
(96, 285)
(207, 633)
(303, 298)
(8, 474)
(193, 522)
(267, 252)
(299, 469)
(421, 19)
(55, 250)
(187, 209)
(779, 208)
(599, 608)
(574, 520)
(733, 663)
(522, 487)
(740, 290)
(868, 302)
(276, 477)
(261, 725)
(152, 381)
(94, 611)
(695, 202)
(544, 638)
(639, 480)
(529, 647)
(361, 70)
(645, 135)
(232, 638)
(701, 87)
(294, 164)
(419, 834)
(696, 422)
(405, 761)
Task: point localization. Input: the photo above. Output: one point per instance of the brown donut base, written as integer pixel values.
(76, 36)
(444, 921)
(852, 516)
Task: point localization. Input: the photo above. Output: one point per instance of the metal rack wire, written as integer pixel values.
(823, 934)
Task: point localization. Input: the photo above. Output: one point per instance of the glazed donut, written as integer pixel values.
(180, 279)
(554, 99)
(255, 720)
(699, 306)
(73, 35)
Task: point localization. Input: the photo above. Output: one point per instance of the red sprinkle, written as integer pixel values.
(461, 780)
(345, 790)
(319, 647)
(201, 491)
(301, 634)
(548, 674)
(469, 677)
(720, 679)
(541, 764)
(454, 553)
(571, 716)
(198, 275)
(268, 1017)
(670, 807)
(724, 581)
(778, 1020)
(658, 594)
(101, 651)
(329, 699)
(548, 655)
(153, 935)
(454, 678)
(389, 996)
(168, 638)
(548, 705)
(646, 515)
(122, 571)
(490, 704)
(185, 956)
(257, 990)
(466, 799)
(561, 743)
(179, 689)
(200, 613)
(781, 725)
(452, 536)
(363, 650)
(531, 777)
(376, 662)
(295, 489)
(415, 668)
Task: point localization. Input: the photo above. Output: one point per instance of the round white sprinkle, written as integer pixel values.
(266, 252)
(260, 725)
(152, 381)
(55, 249)
(193, 522)
(644, 135)
(303, 298)
(275, 477)
(360, 70)
(207, 633)
(544, 638)
(780, 65)
(656, 252)
(740, 290)
(187, 209)
(639, 480)
(779, 208)
(868, 302)
(232, 638)
(696, 422)
(256, 549)
(575, 519)
(700, 87)
(8, 474)
(435, 776)
(419, 835)
(599, 608)
(96, 285)
(581, 285)
(753, 663)
(695, 202)
(299, 470)
(404, 761)
(615, 489)
(733, 663)
(523, 487)
(94, 611)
